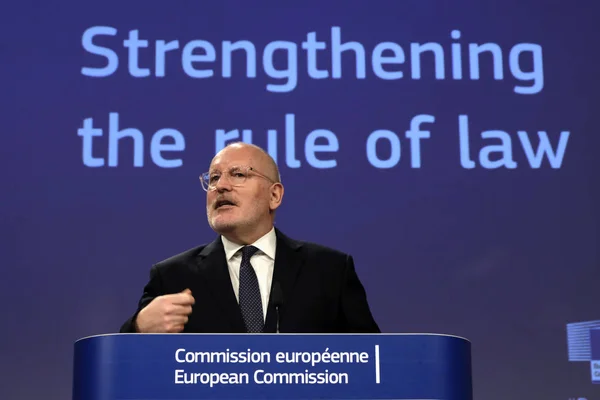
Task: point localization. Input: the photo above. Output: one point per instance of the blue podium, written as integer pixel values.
(272, 366)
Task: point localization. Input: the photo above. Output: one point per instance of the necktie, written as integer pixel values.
(250, 301)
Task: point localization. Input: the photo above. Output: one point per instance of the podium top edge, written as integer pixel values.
(274, 334)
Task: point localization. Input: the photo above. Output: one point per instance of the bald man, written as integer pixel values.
(251, 278)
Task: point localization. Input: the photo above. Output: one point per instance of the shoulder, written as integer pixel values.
(182, 260)
(184, 256)
(315, 250)
(318, 249)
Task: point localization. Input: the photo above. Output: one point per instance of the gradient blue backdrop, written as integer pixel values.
(503, 257)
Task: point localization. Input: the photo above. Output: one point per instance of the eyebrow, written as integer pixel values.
(235, 167)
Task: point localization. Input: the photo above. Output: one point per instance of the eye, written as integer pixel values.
(237, 173)
(214, 178)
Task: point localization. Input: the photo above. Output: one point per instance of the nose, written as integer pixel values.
(223, 184)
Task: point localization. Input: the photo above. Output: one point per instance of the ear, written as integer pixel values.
(276, 196)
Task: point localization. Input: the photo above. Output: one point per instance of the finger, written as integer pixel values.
(178, 320)
(175, 328)
(182, 299)
(177, 309)
(186, 310)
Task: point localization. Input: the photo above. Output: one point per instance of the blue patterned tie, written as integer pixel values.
(250, 301)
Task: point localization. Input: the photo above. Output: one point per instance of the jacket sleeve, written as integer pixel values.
(153, 289)
(354, 307)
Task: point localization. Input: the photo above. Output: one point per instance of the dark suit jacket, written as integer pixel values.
(321, 290)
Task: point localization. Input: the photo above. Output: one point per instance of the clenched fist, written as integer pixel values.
(166, 314)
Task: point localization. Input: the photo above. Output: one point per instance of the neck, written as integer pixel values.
(245, 237)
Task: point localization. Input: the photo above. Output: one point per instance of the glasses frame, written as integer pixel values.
(249, 172)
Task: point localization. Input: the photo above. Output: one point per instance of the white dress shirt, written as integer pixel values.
(263, 262)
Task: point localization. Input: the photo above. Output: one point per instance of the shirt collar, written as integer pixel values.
(267, 244)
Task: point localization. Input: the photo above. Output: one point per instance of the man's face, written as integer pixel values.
(233, 207)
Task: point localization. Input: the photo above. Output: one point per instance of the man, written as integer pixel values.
(252, 278)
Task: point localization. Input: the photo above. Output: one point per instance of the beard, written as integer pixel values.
(229, 220)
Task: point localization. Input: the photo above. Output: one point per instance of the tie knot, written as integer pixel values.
(248, 251)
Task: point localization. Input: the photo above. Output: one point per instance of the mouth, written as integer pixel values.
(224, 203)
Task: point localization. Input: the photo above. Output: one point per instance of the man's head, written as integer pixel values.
(245, 190)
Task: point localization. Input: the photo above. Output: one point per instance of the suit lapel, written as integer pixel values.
(213, 264)
(289, 259)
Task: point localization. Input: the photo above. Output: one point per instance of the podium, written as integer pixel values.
(272, 366)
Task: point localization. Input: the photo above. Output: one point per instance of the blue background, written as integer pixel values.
(504, 257)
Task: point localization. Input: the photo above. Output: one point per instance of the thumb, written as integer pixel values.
(188, 291)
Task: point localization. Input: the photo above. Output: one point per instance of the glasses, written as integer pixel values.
(236, 176)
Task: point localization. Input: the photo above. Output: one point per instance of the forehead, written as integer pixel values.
(231, 157)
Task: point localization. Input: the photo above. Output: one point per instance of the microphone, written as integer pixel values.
(277, 300)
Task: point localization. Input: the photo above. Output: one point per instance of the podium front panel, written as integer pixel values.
(272, 366)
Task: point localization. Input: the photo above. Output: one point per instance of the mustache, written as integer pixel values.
(223, 200)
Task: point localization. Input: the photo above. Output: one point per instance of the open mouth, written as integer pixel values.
(223, 203)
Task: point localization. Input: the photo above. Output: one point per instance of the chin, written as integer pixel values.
(221, 225)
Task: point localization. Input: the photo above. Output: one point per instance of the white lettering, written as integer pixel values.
(262, 377)
(222, 357)
(326, 356)
(210, 378)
